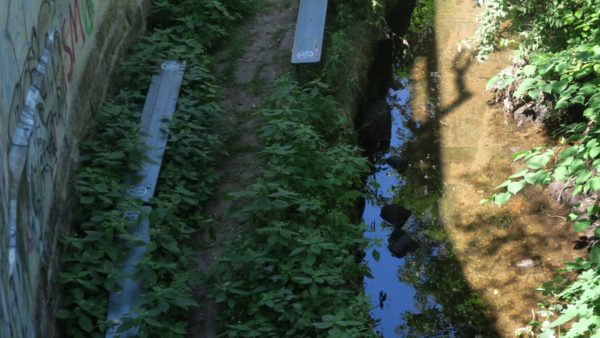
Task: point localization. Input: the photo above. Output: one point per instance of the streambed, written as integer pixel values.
(476, 267)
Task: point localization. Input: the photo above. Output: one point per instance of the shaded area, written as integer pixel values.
(425, 293)
(477, 267)
(501, 254)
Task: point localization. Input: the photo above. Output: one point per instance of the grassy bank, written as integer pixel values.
(184, 30)
(297, 270)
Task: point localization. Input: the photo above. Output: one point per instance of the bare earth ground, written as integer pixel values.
(475, 147)
(258, 52)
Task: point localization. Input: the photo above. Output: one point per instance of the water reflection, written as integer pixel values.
(422, 294)
(392, 298)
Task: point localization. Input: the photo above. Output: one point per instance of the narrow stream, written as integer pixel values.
(446, 266)
(413, 264)
(383, 288)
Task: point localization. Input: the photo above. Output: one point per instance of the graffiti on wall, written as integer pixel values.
(74, 29)
(40, 44)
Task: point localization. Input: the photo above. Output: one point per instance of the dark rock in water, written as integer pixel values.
(398, 163)
(395, 214)
(400, 243)
(375, 129)
(380, 73)
(583, 242)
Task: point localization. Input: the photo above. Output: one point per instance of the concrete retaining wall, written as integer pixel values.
(56, 60)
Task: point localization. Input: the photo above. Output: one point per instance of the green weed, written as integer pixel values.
(90, 264)
(296, 273)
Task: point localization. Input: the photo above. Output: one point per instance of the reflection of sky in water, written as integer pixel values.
(399, 297)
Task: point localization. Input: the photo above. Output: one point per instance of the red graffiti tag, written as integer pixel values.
(72, 29)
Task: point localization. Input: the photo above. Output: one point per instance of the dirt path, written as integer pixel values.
(258, 52)
(475, 147)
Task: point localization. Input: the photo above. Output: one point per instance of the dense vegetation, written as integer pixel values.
(300, 208)
(297, 270)
(185, 30)
(556, 79)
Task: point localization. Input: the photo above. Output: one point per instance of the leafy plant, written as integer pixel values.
(93, 252)
(297, 209)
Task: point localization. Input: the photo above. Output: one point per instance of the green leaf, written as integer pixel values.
(85, 323)
(594, 152)
(261, 203)
(568, 152)
(116, 155)
(499, 81)
(504, 184)
(92, 236)
(595, 254)
(348, 323)
(525, 87)
(302, 280)
(323, 325)
(578, 99)
(529, 70)
(515, 187)
(538, 177)
(520, 173)
(558, 86)
(588, 89)
(63, 314)
(86, 199)
(595, 183)
(534, 93)
(376, 255)
(583, 176)
(501, 199)
(538, 161)
(567, 315)
(546, 67)
(560, 174)
(492, 82)
(518, 155)
(578, 188)
(582, 225)
(563, 102)
(584, 325)
(172, 247)
(297, 251)
(78, 294)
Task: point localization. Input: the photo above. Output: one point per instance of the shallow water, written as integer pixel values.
(405, 291)
(467, 277)
(383, 288)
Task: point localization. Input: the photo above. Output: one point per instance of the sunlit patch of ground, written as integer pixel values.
(505, 252)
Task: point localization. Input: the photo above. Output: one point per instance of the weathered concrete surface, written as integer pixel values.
(56, 58)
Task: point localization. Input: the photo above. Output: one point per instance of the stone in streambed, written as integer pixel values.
(400, 164)
(395, 214)
(528, 263)
(400, 243)
(375, 130)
